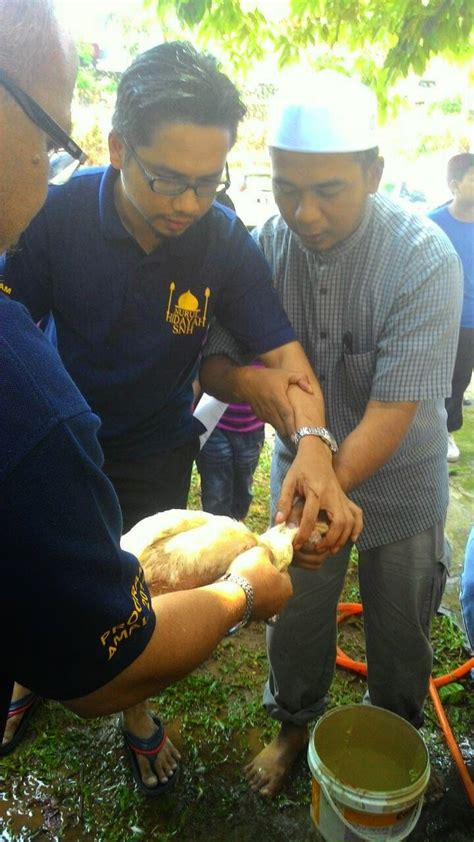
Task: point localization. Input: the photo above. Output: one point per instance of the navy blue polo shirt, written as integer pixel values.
(130, 325)
(75, 610)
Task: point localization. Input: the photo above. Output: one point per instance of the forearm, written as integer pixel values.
(267, 390)
(373, 442)
(308, 407)
(189, 626)
(220, 377)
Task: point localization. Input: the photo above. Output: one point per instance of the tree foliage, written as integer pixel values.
(387, 38)
(92, 87)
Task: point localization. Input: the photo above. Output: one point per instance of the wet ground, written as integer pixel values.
(451, 820)
(69, 781)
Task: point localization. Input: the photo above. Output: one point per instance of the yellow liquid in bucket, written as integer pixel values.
(371, 749)
(369, 768)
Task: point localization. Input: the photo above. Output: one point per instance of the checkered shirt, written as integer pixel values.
(378, 317)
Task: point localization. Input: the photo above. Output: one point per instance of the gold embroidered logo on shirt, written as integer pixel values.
(186, 313)
(6, 289)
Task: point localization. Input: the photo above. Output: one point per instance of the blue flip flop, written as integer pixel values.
(23, 707)
(149, 749)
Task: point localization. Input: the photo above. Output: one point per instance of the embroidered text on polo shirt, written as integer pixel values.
(136, 620)
(186, 313)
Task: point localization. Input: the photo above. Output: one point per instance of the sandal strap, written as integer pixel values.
(20, 706)
(152, 745)
(151, 751)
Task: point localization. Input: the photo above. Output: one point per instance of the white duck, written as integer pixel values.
(181, 549)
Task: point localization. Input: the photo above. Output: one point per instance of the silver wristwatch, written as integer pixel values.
(248, 590)
(320, 432)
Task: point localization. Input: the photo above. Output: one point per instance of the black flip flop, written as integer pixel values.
(23, 707)
(149, 749)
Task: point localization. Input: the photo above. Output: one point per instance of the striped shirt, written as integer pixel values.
(378, 318)
(240, 417)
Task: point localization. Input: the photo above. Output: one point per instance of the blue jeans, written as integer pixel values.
(227, 464)
(467, 589)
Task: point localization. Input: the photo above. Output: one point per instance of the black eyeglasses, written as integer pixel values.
(71, 155)
(169, 185)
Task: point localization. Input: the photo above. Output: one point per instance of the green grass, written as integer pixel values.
(462, 473)
(70, 782)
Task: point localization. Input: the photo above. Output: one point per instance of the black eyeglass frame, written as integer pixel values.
(42, 119)
(186, 185)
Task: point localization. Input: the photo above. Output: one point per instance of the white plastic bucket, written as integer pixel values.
(370, 769)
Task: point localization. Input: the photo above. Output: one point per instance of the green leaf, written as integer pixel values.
(400, 34)
(192, 12)
(451, 693)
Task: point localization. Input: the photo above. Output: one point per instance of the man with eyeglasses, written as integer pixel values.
(59, 144)
(24, 168)
(133, 261)
(78, 622)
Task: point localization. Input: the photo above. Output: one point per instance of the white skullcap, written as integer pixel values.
(323, 112)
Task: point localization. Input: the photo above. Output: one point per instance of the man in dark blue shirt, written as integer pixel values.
(78, 621)
(133, 261)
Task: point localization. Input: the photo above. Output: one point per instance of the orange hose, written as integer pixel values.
(467, 781)
(347, 609)
(457, 673)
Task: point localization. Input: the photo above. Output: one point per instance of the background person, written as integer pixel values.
(466, 595)
(456, 219)
(79, 623)
(374, 294)
(228, 461)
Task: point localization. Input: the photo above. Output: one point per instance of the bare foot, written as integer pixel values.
(13, 722)
(138, 721)
(268, 771)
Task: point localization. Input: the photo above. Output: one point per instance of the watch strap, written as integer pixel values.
(248, 590)
(321, 432)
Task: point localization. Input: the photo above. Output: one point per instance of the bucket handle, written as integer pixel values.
(414, 819)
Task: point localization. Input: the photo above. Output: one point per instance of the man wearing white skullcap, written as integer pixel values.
(336, 114)
(374, 294)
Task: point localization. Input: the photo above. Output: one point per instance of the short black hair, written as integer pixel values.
(366, 157)
(459, 165)
(173, 82)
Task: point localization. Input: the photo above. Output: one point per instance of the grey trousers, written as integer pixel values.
(401, 586)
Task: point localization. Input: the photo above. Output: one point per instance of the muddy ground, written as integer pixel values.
(69, 781)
